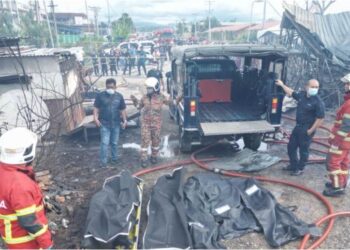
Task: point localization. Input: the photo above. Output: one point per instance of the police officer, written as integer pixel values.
(309, 117)
(96, 65)
(151, 119)
(113, 65)
(104, 66)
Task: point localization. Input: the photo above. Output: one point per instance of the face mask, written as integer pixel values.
(312, 91)
(150, 91)
(110, 91)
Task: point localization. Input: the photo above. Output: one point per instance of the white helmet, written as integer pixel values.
(346, 78)
(17, 146)
(152, 82)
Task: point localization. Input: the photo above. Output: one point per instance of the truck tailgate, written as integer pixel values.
(241, 127)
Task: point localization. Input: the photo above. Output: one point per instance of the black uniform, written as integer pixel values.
(104, 66)
(113, 65)
(96, 65)
(308, 110)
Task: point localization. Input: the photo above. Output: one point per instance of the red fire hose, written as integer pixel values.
(202, 164)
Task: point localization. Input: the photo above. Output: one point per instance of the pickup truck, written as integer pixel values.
(228, 92)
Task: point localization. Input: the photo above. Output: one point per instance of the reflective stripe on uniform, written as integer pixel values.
(335, 150)
(155, 148)
(144, 149)
(12, 217)
(338, 172)
(18, 240)
(26, 211)
(40, 232)
(346, 116)
(342, 133)
(9, 218)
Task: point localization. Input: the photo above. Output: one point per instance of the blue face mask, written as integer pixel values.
(312, 91)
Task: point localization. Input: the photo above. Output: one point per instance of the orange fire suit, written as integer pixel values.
(338, 156)
(23, 224)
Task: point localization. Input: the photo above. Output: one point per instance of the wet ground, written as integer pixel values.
(75, 171)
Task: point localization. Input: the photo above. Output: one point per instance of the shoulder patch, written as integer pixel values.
(3, 204)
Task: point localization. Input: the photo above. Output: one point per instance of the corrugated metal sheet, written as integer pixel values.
(332, 30)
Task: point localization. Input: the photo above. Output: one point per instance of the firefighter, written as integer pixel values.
(23, 224)
(157, 74)
(338, 155)
(309, 117)
(151, 119)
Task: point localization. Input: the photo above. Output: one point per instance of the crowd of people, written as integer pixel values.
(129, 58)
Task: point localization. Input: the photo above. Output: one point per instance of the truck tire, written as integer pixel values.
(184, 142)
(252, 141)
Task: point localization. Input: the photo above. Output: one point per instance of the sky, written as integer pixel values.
(171, 11)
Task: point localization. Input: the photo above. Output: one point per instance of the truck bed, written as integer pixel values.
(227, 112)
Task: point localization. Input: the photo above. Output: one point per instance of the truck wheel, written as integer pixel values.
(184, 141)
(252, 141)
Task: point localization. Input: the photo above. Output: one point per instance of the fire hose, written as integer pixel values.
(201, 163)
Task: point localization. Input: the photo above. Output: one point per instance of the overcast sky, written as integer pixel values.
(170, 11)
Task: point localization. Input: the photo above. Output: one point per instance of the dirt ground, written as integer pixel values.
(76, 174)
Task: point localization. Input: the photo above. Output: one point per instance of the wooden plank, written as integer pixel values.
(231, 128)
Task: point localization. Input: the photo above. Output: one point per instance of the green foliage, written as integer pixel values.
(34, 33)
(181, 28)
(123, 27)
(91, 44)
(6, 25)
(204, 24)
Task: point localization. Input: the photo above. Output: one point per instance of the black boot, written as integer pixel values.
(154, 160)
(334, 192)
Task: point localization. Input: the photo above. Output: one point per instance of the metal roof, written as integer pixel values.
(8, 41)
(186, 52)
(331, 32)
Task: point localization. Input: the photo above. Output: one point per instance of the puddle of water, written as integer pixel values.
(166, 147)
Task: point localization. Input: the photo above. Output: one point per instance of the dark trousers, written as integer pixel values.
(96, 70)
(113, 68)
(299, 139)
(126, 66)
(104, 70)
(139, 65)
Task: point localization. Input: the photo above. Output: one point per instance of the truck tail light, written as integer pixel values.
(274, 105)
(193, 108)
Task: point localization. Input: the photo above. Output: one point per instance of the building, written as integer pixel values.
(50, 75)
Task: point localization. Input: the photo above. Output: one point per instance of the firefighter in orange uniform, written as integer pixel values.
(23, 224)
(338, 157)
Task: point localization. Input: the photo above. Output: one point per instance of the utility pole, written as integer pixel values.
(48, 25)
(17, 12)
(96, 10)
(209, 21)
(52, 6)
(109, 18)
(264, 17)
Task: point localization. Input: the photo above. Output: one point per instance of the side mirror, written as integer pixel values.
(168, 74)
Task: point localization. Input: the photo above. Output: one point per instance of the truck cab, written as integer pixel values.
(228, 92)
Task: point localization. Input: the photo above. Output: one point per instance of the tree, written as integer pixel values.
(6, 24)
(35, 33)
(123, 27)
(204, 24)
(181, 28)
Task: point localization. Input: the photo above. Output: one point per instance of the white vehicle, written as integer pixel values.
(147, 45)
(128, 45)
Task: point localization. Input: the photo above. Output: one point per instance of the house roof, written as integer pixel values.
(326, 35)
